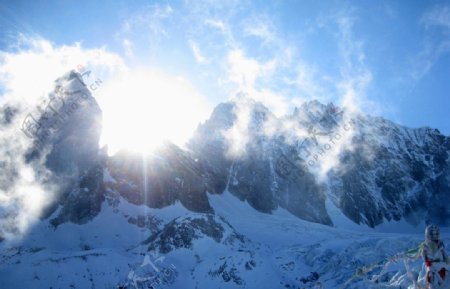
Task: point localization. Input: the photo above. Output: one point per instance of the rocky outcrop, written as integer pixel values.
(182, 232)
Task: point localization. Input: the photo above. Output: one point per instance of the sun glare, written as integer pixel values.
(142, 109)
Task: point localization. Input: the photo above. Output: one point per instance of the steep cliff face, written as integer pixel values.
(161, 179)
(66, 130)
(394, 172)
(254, 172)
(379, 171)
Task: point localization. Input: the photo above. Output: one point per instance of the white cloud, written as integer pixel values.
(244, 71)
(40, 63)
(218, 24)
(251, 78)
(197, 54)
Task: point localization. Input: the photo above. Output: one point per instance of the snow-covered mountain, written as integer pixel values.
(254, 201)
(377, 171)
(371, 169)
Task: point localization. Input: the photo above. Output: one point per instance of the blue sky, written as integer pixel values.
(386, 58)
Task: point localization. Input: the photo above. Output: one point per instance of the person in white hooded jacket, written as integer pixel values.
(435, 257)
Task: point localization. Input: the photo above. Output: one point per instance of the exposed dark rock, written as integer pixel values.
(250, 265)
(182, 232)
(150, 222)
(227, 274)
(161, 180)
(84, 202)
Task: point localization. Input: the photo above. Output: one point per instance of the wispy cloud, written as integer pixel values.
(262, 27)
(437, 16)
(149, 24)
(229, 40)
(217, 24)
(355, 76)
(307, 82)
(245, 73)
(128, 47)
(435, 46)
(197, 53)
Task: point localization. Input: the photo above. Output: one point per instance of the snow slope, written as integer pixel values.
(253, 250)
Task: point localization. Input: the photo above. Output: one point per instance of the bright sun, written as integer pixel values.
(142, 109)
